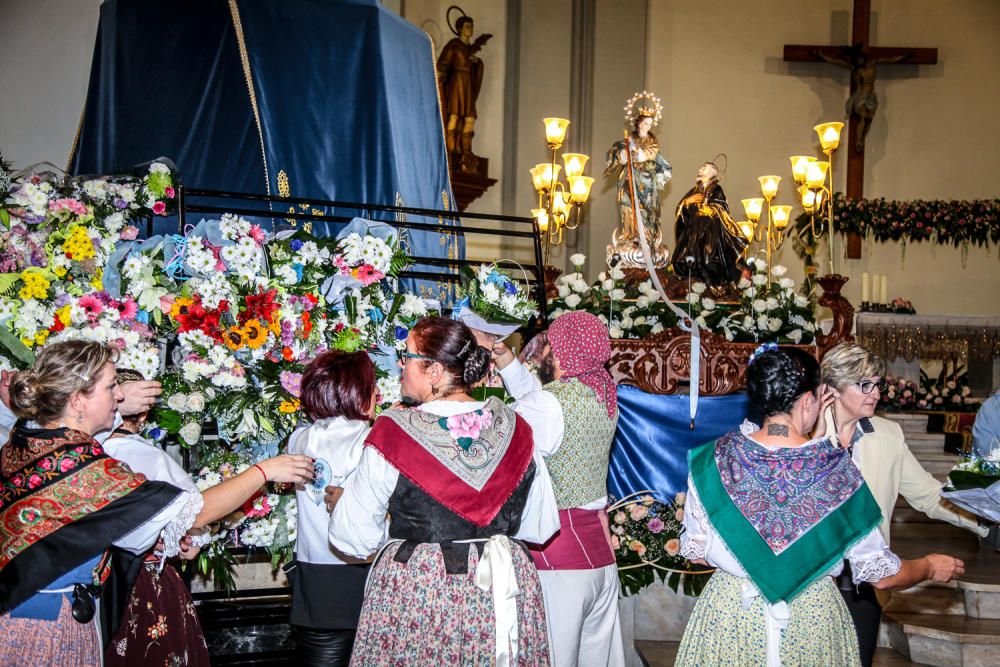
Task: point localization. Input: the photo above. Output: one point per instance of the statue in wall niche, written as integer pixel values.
(460, 76)
(708, 246)
(642, 172)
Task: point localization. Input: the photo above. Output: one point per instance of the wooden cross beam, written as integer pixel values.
(861, 58)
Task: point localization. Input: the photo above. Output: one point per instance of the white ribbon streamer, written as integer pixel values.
(690, 325)
(495, 572)
(776, 617)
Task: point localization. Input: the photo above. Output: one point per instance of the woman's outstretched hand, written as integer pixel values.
(289, 469)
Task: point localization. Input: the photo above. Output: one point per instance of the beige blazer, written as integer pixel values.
(890, 469)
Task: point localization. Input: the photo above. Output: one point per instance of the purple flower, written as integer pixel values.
(295, 245)
(655, 525)
(120, 203)
(402, 332)
(291, 382)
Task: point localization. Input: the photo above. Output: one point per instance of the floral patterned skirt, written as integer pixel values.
(721, 632)
(416, 614)
(63, 642)
(160, 625)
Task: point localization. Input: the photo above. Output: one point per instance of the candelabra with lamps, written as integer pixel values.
(812, 177)
(770, 235)
(558, 202)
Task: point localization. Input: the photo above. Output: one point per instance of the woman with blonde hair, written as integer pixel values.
(69, 510)
(878, 448)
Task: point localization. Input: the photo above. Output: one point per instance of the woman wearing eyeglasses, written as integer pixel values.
(463, 484)
(879, 449)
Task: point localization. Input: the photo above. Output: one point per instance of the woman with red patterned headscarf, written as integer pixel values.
(573, 417)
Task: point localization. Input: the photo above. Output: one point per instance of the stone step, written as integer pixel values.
(944, 641)
(663, 654)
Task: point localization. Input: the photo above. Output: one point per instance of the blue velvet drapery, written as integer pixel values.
(654, 437)
(322, 99)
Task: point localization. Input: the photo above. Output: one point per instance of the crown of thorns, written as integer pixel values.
(644, 104)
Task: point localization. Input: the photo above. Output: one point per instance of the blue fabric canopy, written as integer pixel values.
(331, 99)
(654, 436)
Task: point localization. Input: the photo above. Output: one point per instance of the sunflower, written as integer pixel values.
(235, 338)
(180, 307)
(256, 335)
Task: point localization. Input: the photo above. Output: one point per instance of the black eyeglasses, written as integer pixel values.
(866, 386)
(403, 355)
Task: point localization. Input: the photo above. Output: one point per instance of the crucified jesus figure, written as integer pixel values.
(863, 102)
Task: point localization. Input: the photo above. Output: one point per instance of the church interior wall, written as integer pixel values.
(717, 67)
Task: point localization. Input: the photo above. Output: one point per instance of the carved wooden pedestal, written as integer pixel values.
(661, 364)
(469, 181)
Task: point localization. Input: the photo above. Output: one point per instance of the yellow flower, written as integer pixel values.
(255, 334)
(60, 271)
(63, 316)
(78, 245)
(235, 338)
(180, 307)
(28, 342)
(288, 407)
(42, 336)
(97, 282)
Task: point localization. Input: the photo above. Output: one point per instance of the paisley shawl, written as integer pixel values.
(473, 479)
(785, 492)
(787, 515)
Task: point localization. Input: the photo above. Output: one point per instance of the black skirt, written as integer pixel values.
(327, 597)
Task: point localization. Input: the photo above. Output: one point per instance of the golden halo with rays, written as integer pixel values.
(644, 104)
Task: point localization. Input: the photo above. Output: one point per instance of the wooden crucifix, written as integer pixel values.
(861, 59)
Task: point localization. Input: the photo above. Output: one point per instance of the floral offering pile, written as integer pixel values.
(225, 315)
(769, 308)
(645, 536)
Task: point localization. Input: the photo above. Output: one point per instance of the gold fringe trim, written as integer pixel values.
(234, 12)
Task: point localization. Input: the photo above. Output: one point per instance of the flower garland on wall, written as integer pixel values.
(769, 308)
(226, 316)
(960, 222)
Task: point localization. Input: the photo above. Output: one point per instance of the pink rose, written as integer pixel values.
(615, 543)
(66, 465)
(673, 547)
(34, 481)
(128, 233)
(159, 208)
(679, 514)
(638, 512)
(45, 464)
(169, 192)
(637, 546)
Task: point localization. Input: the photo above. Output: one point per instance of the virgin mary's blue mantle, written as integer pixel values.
(321, 99)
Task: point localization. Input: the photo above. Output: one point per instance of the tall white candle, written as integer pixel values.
(865, 293)
(885, 289)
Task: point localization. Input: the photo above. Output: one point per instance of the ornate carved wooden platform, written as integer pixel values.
(661, 364)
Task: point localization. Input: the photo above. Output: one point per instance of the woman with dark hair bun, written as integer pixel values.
(777, 510)
(463, 484)
(339, 396)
